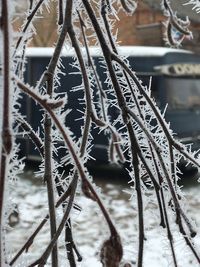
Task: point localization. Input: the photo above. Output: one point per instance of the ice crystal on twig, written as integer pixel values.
(195, 3)
(111, 101)
(177, 29)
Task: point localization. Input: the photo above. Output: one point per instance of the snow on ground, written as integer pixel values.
(90, 229)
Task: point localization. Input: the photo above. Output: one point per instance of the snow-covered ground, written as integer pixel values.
(90, 230)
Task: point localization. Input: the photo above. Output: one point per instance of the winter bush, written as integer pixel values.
(148, 150)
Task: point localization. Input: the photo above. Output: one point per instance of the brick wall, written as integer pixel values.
(144, 27)
(131, 27)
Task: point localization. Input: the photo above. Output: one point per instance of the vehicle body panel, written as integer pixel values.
(144, 61)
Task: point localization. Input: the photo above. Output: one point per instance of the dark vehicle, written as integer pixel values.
(175, 80)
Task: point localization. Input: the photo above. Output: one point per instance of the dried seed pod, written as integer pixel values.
(111, 252)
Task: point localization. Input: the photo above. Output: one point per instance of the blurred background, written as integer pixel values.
(144, 27)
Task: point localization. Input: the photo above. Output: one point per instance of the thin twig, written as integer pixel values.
(122, 104)
(60, 13)
(6, 128)
(79, 167)
(48, 177)
(171, 141)
(43, 259)
(30, 240)
(31, 133)
(158, 116)
(29, 20)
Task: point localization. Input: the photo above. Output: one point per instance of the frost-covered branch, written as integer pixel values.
(6, 132)
(31, 133)
(80, 169)
(175, 26)
(135, 149)
(29, 19)
(138, 135)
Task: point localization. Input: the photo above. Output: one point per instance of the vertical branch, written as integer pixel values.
(91, 64)
(69, 243)
(179, 212)
(86, 129)
(48, 154)
(169, 233)
(49, 78)
(88, 112)
(60, 12)
(173, 168)
(42, 260)
(156, 112)
(48, 174)
(30, 240)
(6, 128)
(81, 171)
(104, 7)
(135, 163)
(29, 20)
(68, 230)
(122, 104)
(111, 252)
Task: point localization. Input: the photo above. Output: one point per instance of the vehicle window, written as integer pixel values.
(183, 93)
